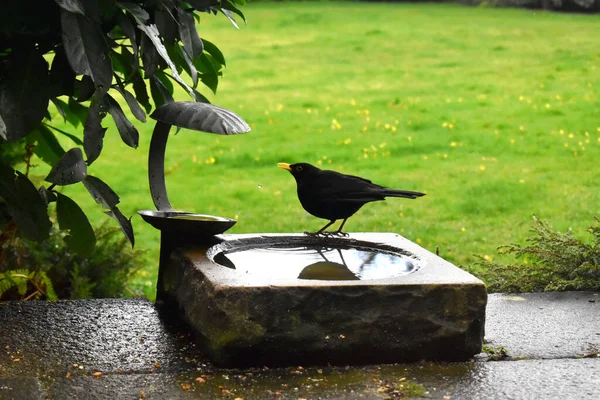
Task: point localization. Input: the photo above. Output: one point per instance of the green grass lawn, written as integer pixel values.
(494, 113)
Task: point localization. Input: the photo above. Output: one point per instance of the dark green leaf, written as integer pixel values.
(124, 62)
(82, 238)
(133, 104)
(190, 68)
(189, 35)
(8, 191)
(24, 204)
(125, 224)
(23, 94)
(62, 77)
(150, 57)
(69, 169)
(129, 29)
(166, 25)
(138, 12)
(79, 110)
(210, 75)
(228, 14)
(74, 6)
(211, 81)
(226, 4)
(86, 49)
(47, 195)
(60, 107)
(214, 51)
(164, 78)
(182, 60)
(152, 32)
(94, 12)
(200, 97)
(201, 5)
(129, 134)
(47, 149)
(93, 132)
(74, 138)
(108, 8)
(84, 89)
(101, 192)
(65, 111)
(205, 64)
(32, 217)
(141, 91)
(160, 93)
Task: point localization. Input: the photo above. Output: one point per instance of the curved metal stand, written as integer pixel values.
(156, 166)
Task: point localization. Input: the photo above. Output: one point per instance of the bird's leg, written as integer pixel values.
(320, 231)
(322, 255)
(341, 257)
(339, 231)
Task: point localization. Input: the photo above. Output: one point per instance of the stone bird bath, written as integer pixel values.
(292, 299)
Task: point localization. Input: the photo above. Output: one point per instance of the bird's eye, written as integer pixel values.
(299, 168)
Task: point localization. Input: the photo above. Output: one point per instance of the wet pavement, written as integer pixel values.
(547, 346)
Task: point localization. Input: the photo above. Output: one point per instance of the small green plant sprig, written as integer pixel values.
(550, 261)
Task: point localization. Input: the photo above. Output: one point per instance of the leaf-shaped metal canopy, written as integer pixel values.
(202, 117)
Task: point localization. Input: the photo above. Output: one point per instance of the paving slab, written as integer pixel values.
(105, 335)
(544, 325)
(129, 349)
(21, 388)
(528, 379)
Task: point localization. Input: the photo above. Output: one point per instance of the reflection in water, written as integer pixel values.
(326, 270)
(319, 263)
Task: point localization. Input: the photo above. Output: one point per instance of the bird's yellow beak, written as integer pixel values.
(285, 166)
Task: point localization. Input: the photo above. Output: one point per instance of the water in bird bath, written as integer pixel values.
(317, 263)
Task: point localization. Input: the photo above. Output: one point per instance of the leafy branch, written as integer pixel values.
(81, 56)
(549, 261)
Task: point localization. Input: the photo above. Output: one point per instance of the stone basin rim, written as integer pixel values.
(297, 241)
(433, 271)
(283, 241)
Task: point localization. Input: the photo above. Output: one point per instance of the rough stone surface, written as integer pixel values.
(435, 313)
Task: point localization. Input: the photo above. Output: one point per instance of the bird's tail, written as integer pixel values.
(407, 194)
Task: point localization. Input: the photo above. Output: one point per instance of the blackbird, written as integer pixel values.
(332, 195)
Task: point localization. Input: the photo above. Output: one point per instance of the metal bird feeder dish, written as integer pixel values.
(201, 117)
(178, 227)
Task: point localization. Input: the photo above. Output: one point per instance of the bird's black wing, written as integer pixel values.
(359, 178)
(336, 187)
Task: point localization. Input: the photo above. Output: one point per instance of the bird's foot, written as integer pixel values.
(327, 234)
(340, 233)
(320, 234)
(313, 234)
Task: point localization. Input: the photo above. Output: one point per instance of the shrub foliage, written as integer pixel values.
(550, 261)
(50, 270)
